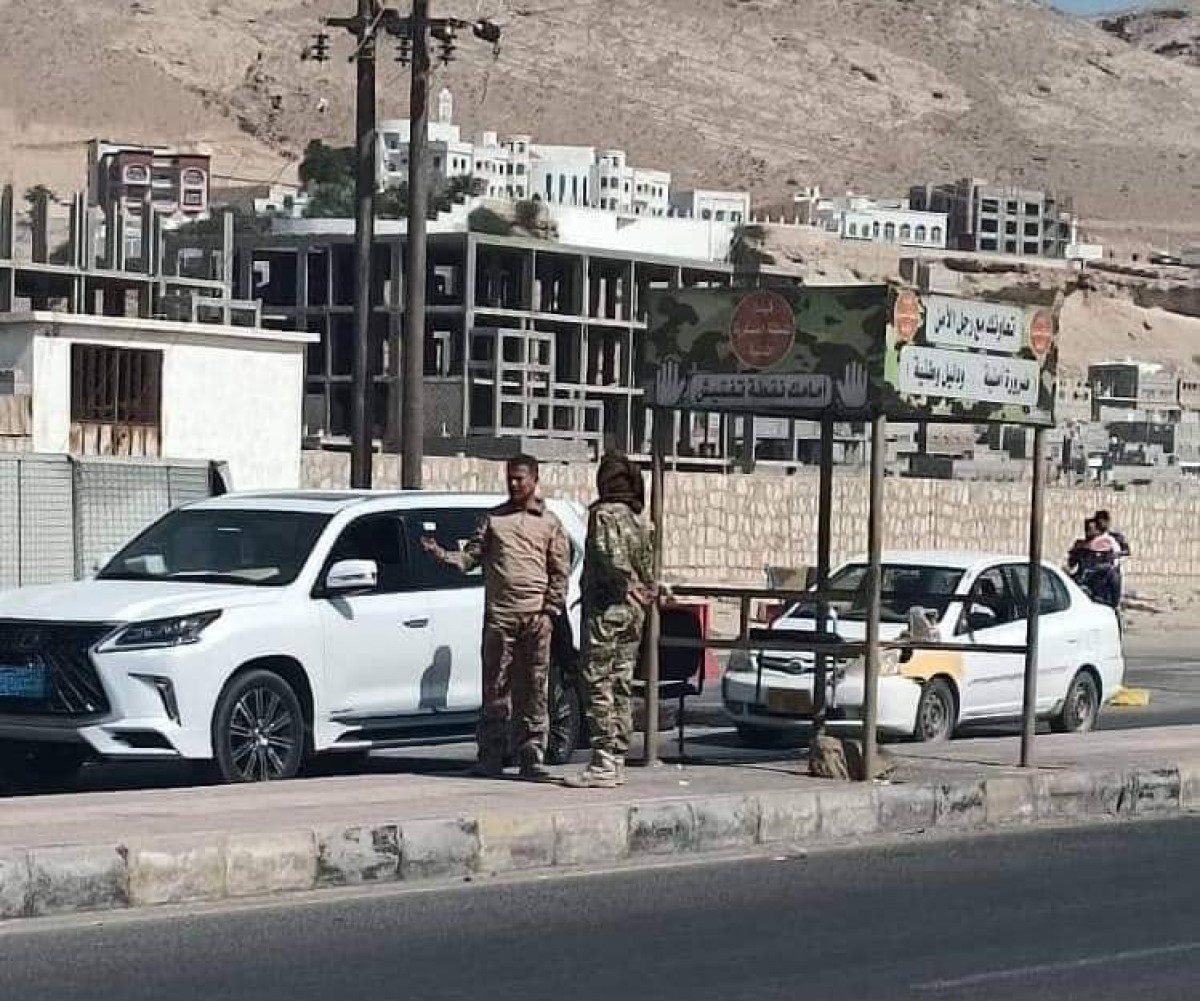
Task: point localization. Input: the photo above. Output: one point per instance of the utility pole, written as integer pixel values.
(362, 395)
(413, 32)
(412, 425)
(362, 26)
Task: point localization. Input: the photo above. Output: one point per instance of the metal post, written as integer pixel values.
(654, 619)
(228, 249)
(874, 583)
(1033, 591)
(364, 236)
(824, 545)
(412, 359)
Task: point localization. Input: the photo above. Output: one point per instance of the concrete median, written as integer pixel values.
(558, 836)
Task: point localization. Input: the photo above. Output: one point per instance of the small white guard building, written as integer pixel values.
(99, 385)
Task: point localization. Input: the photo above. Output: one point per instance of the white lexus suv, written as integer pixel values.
(258, 630)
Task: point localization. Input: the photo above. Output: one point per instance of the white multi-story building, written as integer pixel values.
(858, 217)
(719, 206)
(516, 167)
(448, 154)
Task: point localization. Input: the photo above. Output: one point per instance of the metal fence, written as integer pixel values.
(60, 517)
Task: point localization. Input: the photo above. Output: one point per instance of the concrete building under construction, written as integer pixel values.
(529, 342)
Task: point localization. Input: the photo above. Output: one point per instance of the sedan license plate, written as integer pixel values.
(28, 682)
(786, 701)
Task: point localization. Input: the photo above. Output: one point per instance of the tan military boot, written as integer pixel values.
(600, 773)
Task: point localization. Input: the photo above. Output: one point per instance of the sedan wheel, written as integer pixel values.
(1081, 707)
(258, 730)
(937, 713)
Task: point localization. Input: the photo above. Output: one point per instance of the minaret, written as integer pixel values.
(445, 106)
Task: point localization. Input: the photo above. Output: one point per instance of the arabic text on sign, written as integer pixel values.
(960, 375)
(983, 326)
(803, 391)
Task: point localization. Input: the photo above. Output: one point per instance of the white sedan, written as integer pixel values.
(969, 600)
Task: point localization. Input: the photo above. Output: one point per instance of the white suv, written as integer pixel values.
(258, 630)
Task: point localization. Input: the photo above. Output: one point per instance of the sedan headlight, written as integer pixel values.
(181, 630)
(741, 661)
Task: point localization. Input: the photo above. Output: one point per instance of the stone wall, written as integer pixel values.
(727, 528)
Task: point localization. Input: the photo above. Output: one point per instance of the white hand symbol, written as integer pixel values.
(669, 385)
(853, 387)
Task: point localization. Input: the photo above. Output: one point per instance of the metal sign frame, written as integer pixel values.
(757, 354)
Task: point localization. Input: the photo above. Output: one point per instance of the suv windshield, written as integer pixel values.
(903, 587)
(260, 548)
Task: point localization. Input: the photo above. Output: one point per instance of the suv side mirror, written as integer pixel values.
(348, 576)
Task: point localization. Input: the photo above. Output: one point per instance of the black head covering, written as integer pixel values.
(618, 480)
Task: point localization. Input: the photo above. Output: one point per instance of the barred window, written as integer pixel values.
(115, 385)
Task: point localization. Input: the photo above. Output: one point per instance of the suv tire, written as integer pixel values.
(258, 729)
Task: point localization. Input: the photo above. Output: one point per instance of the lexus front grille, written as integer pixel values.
(46, 669)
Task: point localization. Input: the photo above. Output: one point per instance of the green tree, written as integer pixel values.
(745, 248)
(330, 201)
(327, 164)
(39, 194)
(484, 220)
(328, 175)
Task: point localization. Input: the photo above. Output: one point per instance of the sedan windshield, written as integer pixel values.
(261, 548)
(903, 587)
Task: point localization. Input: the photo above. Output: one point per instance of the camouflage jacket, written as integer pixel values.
(618, 556)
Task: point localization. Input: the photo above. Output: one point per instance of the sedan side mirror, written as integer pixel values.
(980, 617)
(349, 576)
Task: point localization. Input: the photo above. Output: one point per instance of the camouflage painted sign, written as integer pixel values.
(849, 352)
(786, 351)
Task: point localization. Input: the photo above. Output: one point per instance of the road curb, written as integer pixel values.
(210, 868)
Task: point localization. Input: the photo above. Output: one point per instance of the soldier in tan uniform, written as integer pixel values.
(526, 562)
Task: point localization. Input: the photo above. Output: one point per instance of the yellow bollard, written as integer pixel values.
(1130, 698)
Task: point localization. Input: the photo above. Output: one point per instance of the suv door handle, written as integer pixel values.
(416, 623)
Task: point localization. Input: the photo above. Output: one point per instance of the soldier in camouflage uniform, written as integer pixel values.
(618, 587)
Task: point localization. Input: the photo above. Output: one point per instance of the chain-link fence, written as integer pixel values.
(60, 517)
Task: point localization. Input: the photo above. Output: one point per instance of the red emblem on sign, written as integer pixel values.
(763, 329)
(906, 316)
(1041, 333)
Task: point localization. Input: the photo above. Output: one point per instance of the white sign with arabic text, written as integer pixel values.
(977, 326)
(960, 375)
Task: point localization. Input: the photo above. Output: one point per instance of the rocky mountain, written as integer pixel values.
(1171, 30)
(768, 94)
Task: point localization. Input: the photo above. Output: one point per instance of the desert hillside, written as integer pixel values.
(868, 94)
(1169, 30)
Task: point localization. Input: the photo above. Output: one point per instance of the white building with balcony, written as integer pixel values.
(517, 168)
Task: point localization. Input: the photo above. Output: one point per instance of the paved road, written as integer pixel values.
(1174, 684)
(1108, 914)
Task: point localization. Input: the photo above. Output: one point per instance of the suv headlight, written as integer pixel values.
(180, 630)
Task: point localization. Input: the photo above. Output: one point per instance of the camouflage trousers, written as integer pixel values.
(611, 646)
(516, 678)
